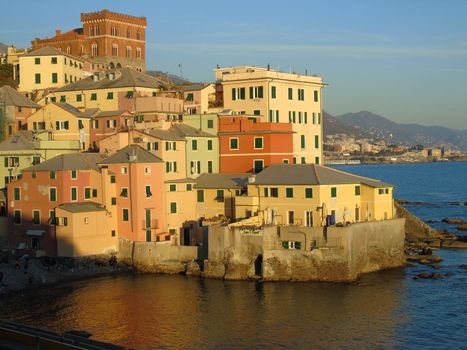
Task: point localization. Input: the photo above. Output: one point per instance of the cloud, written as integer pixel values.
(335, 50)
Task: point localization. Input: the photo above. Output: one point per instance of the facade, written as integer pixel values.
(105, 124)
(27, 148)
(48, 68)
(108, 39)
(280, 98)
(111, 90)
(33, 198)
(14, 110)
(139, 198)
(64, 123)
(205, 122)
(248, 145)
(313, 195)
(198, 99)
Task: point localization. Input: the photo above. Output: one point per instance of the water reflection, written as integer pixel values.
(148, 311)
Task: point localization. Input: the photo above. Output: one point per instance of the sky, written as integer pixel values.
(405, 60)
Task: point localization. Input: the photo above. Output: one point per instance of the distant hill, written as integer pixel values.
(3, 48)
(168, 77)
(366, 124)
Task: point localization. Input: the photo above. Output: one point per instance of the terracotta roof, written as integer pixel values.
(237, 181)
(170, 134)
(72, 161)
(115, 78)
(11, 97)
(81, 207)
(139, 154)
(20, 141)
(310, 174)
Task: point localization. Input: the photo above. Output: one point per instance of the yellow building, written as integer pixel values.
(88, 230)
(63, 122)
(198, 98)
(314, 195)
(111, 90)
(279, 97)
(48, 68)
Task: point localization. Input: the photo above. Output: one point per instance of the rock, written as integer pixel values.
(455, 244)
(431, 221)
(448, 274)
(192, 269)
(424, 259)
(454, 221)
(462, 227)
(425, 275)
(436, 267)
(463, 266)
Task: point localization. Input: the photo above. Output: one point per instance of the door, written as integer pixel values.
(291, 217)
(186, 236)
(309, 218)
(148, 225)
(258, 166)
(333, 217)
(357, 214)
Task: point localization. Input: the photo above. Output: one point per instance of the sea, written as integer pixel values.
(383, 310)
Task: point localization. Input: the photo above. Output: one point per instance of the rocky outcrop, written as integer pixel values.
(415, 229)
(454, 221)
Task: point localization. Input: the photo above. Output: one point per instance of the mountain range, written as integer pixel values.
(369, 125)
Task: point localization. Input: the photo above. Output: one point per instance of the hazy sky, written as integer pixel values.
(406, 60)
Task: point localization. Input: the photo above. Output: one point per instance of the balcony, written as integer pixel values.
(215, 104)
(153, 225)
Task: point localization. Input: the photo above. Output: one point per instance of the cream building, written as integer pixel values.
(199, 98)
(279, 97)
(48, 68)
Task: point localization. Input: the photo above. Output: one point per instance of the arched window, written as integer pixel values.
(68, 50)
(138, 35)
(81, 50)
(128, 52)
(138, 53)
(97, 30)
(128, 33)
(94, 51)
(114, 50)
(91, 31)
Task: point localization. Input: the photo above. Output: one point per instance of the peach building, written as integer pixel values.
(199, 98)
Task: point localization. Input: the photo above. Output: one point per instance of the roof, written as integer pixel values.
(124, 77)
(189, 131)
(20, 141)
(193, 87)
(139, 154)
(81, 207)
(310, 174)
(222, 180)
(50, 51)
(116, 113)
(181, 181)
(14, 98)
(165, 134)
(72, 161)
(87, 113)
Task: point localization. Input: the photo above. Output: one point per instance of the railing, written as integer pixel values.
(215, 104)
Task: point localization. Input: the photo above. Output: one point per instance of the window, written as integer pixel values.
(54, 78)
(289, 192)
(291, 244)
(79, 98)
(303, 160)
(189, 187)
(38, 78)
(138, 53)
(233, 143)
(290, 93)
(305, 118)
(274, 192)
(74, 174)
(220, 196)
(113, 31)
(94, 193)
(52, 219)
(273, 92)
(155, 146)
(62, 125)
(189, 96)
(258, 165)
(111, 123)
(315, 95)
(94, 96)
(125, 214)
(63, 98)
(173, 188)
(138, 35)
(333, 192)
(124, 192)
(37, 60)
(124, 170)
(113, 233)
(52, 175)
(87, 193)
(112, 179)
(302, 141)
(17, 217)
(285, 161)
(258, 143)
(200, 196)
(266, 192)
(128, 52)
(291, 217)
(52, 194)
(36, 217)
(316, 160)
(114, 50)
(194, 145)
(110, 95)
(128, 33)
(209, 166)
(171, 146)
(316, 141)
(113, 201)
(308, 192)
(94, 50)
(209, 145)
(148, 191)
(36, 160)
(173, 207)
(74, 194)
(357, 190)
(17, 194)
(210, 124)
(170, 167)
(238, 94)
(53, 99)
(53, 60)
(147, 170)
(301, 94)
(256, 92)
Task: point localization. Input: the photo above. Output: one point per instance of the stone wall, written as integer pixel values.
(332, 254)
(415, 228)
(158, 257)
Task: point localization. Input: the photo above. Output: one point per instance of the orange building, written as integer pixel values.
(107, 39)
(248, 145)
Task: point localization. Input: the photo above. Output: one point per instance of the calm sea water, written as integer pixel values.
(384, 310)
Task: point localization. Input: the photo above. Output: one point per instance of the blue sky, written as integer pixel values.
(406, 60)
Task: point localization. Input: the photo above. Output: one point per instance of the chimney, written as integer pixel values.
(58, 32)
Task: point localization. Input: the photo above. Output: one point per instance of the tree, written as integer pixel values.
(6, 76)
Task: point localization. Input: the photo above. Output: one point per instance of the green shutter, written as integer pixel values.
(315, 93)
(289, 192)
(308, 193)
(167, 167)
(333, 192)
(53, 194)
(6, 162)
(87, 193)
(200, 196)
(273, 92)
(290, 93)
(251, 92)
(173, 207)
(316, 160)
(54, 78)
(302, 141)
(234, 95)
(316, 141)
(38, 78)
(260, 92)
(357, 190)
(209, 145)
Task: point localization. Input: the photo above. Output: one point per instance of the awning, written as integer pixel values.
(37, 233)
